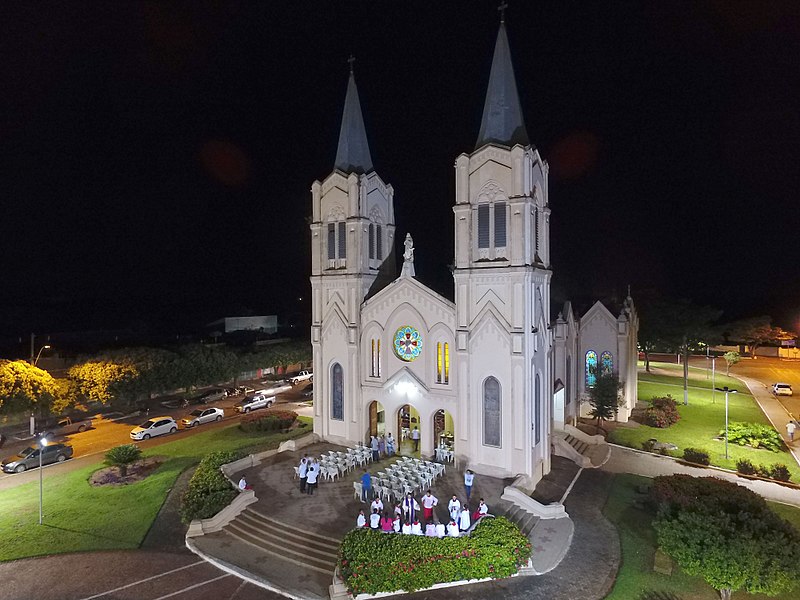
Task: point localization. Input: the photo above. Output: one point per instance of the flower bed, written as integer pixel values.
(372, 562)
(269, 420)
(209, 491)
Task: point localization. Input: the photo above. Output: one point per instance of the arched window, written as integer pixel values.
(337, 392)
(442, 362)
(606, 363)
(372, 240)
(569, 379)
(537, 410)
(375, 365)
(492, 225)
(492, 404)
(591, 368)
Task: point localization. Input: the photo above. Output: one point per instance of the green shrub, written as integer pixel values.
(779, 473)
(122, 456)
(662, 412)
(270, 420)
(698, 457)
(372, 561)
(755, 435)
(745, 467)
(209, 490)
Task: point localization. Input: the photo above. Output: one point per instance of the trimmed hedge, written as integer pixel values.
(698, 457)
(662, 412)
(209, 490)
(373, 561)
(777, 472)
(269, 420)
(755, 435)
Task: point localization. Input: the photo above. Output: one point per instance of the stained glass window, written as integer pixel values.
(537, 411)
(483, 226)
(591, 368)
(606, 363)
(337, 392)
(491, 412)
(446, 362)
(439, 361)
(499, 224)
(407, 343)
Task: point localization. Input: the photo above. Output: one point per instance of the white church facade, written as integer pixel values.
(489, 375)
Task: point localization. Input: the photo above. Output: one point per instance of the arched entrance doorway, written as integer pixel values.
(408, 426)
(443, 434)
(377, 419)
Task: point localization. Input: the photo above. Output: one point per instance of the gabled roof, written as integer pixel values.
(352, 153)
(502, 121)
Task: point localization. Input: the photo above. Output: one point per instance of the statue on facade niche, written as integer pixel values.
(408, 257)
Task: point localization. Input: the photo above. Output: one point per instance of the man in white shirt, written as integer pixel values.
(416, 528)
(243, 484)
(376, 505)
(469, 477)
(463, 519)
(428, 502)
(482, 510)
(301, 471)
(311, 478)
(375, 520)
(452, 529)
(410, 508)
(415, 437)
(361, 521)
(440, 531)
(454, 507)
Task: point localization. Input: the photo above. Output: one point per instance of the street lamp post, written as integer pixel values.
(34, 361)
(42, 446)
(727, 391)
(38, 356)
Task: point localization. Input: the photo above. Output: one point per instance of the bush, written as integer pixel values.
(779, 473)
(754, 435)
(698, 457)
(122, 456)
(662, 412)
(745, 467)
(209, 490)
(271, 420)
(372, 561)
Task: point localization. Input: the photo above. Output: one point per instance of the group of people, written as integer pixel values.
(381, 446)
(405, 517)
(308, 471)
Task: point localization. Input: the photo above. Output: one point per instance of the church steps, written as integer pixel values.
(293, 531)
(278, 549)
(287, 535)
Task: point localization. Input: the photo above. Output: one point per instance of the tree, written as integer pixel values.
(122, 456)
(605, 397)
(725, 534)
(757, 331)
(96, 379)
(731, 358)
(24, 387)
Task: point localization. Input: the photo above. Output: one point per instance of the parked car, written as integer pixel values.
(200, 416)
(212, 395)
(66, 426)
(29, 458)
(254, 402)
(308, 392)
(153, 427)
(278, 387)
(782, 389)
(302, 376)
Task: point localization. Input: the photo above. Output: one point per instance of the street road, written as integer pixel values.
(91, 444)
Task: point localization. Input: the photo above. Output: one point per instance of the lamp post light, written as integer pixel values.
(34, 361)
(42, 446)
(38, 356)
(727, 391)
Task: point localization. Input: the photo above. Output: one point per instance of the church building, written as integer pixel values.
(490, 376)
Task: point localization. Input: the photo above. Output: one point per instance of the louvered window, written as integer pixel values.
(331, 241)
(499, 224)
(372, 240)
(378, 242)
(483, 226)
(342, 240)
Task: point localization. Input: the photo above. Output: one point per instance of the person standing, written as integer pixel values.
(469, 477)
(311, 478)
(480, 511)
(415, 438)
(389, 444)
(302, 470)
(377, 504)
(454, 507)
(381, 446)
(374, 445)
(790, 429)
(366, 486)
(410, 508)
(463, 519)
(428, 502)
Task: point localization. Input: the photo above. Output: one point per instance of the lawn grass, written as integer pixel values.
(701, 422)
(638, 542)
(81, 517)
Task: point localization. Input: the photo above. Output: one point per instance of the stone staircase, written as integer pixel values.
(521, 518)
(302, 548)
(587, 453)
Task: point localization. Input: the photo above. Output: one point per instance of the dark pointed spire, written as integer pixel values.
(502, 121)
(352, 154)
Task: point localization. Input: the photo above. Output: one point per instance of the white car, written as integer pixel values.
(200, 416)
(782, 389)
(302, 376)
(153, 427)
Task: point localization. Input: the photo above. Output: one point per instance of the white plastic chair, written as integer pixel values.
(357, 490)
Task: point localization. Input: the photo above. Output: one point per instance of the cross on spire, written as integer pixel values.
(351, 60)
(502, 8)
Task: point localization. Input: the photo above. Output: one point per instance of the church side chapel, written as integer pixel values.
(486, 379)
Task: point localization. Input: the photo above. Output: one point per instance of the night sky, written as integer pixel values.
(156, 158)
